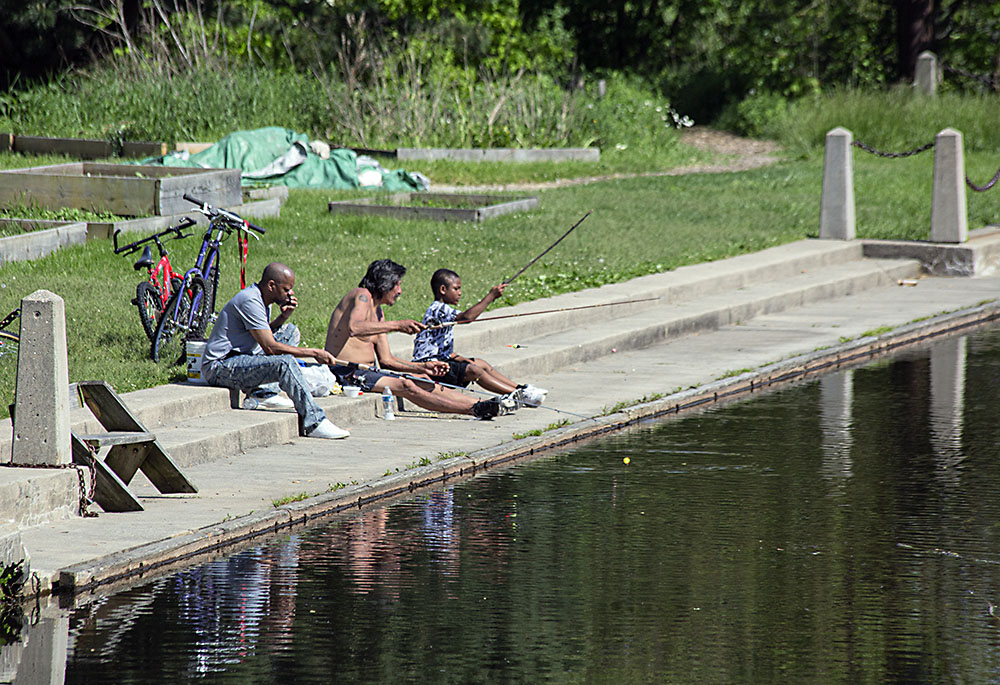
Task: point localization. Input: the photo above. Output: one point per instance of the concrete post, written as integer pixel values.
(41, 403)
(926, 75)
(949, 218)
(836, 218)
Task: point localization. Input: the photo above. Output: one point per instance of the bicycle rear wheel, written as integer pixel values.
(182, 319)
(150, 306)
(9, 345)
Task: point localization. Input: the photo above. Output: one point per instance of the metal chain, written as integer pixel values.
(986, 80)
(10, 317)
(979, 189)
(879, 153)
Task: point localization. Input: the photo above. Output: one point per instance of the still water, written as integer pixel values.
(842, 530)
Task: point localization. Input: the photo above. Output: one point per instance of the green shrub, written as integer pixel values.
(753, 115)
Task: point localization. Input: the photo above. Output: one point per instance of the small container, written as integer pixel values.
(352, 391)
(195, 350)
(387, 411)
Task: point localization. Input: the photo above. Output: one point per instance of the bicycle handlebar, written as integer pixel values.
(212, 212)
(134, 246)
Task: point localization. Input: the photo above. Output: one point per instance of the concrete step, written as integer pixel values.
(546, 351)
(681, 285)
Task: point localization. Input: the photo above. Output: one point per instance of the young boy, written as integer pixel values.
(438, 343)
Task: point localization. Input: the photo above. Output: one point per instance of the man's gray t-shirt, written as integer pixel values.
(244, 313)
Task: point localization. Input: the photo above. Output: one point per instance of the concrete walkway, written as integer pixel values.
(719, 328)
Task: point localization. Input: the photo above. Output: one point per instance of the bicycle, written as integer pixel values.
(192, 306)
(9, 341)
(153, 294)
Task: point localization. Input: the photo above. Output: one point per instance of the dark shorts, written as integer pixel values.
(366, 380)
(455, 375)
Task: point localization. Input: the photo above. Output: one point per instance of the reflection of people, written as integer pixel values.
(243, 351)
(439, 343)
(357, 333)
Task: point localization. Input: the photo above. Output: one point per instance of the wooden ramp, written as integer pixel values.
(131, 448)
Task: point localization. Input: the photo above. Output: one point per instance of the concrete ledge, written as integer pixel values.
(30, 496)
(581, 154)
(979, 256)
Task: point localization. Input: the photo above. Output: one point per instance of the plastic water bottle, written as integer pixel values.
(387, 412)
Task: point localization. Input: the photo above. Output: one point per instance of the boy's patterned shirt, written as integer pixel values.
(440, 342)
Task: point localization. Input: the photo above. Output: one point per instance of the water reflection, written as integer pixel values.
(842, 530)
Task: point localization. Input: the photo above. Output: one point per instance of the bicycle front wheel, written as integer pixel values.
(150, 306)
(182, 319)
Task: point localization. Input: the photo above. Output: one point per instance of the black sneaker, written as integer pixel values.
(486, 409)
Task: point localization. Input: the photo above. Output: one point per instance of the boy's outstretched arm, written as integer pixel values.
(478, 308)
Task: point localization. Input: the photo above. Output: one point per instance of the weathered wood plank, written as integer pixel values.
(127, 190)
(116, 438)
(123, 196)
(125, 460)
(493, 206)
(109, 490)
(219, 187)
(82, 148)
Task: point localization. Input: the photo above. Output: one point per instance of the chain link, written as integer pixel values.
(985, 80)
(879, 153)
(979, 189)
(10, 317)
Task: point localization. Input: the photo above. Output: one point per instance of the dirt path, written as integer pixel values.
(738, 154)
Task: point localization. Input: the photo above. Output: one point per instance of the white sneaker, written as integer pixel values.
(506, 404)
(272, 402)
(329, 430)
(532, 396)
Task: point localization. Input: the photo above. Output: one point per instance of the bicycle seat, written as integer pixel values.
(145, 261)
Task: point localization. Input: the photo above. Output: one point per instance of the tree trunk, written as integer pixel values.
(914, 33)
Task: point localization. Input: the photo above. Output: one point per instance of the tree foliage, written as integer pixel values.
(703, 53)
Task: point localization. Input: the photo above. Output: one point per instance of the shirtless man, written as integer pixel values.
(357, 334)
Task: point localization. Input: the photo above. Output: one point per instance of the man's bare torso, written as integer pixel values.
(358, 302)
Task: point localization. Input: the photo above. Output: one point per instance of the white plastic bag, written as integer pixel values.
(319, 379)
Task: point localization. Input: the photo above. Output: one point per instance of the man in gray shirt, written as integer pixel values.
(245, 350)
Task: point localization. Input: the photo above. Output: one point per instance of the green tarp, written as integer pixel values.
(279, 156)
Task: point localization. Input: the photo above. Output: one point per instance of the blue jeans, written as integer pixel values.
(268, 372)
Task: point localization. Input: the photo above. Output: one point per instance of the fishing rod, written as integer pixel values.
(418, 379)
(547, 311)
(525, 268)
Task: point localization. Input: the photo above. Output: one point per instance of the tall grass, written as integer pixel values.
(894, 121)
(397, 100)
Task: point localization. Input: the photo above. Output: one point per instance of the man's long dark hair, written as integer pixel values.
(382, 276)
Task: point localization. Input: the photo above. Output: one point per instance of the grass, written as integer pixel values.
(281, 501)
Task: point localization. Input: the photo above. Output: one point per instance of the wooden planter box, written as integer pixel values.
(123, 189)
(81, 148)
(466, 207)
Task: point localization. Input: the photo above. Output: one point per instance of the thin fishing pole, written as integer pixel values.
(547, 311)
(525, 268)
(417, 379)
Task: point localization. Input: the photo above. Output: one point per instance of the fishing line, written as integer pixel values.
(437, 324)
(525, 268)
(417, 379)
